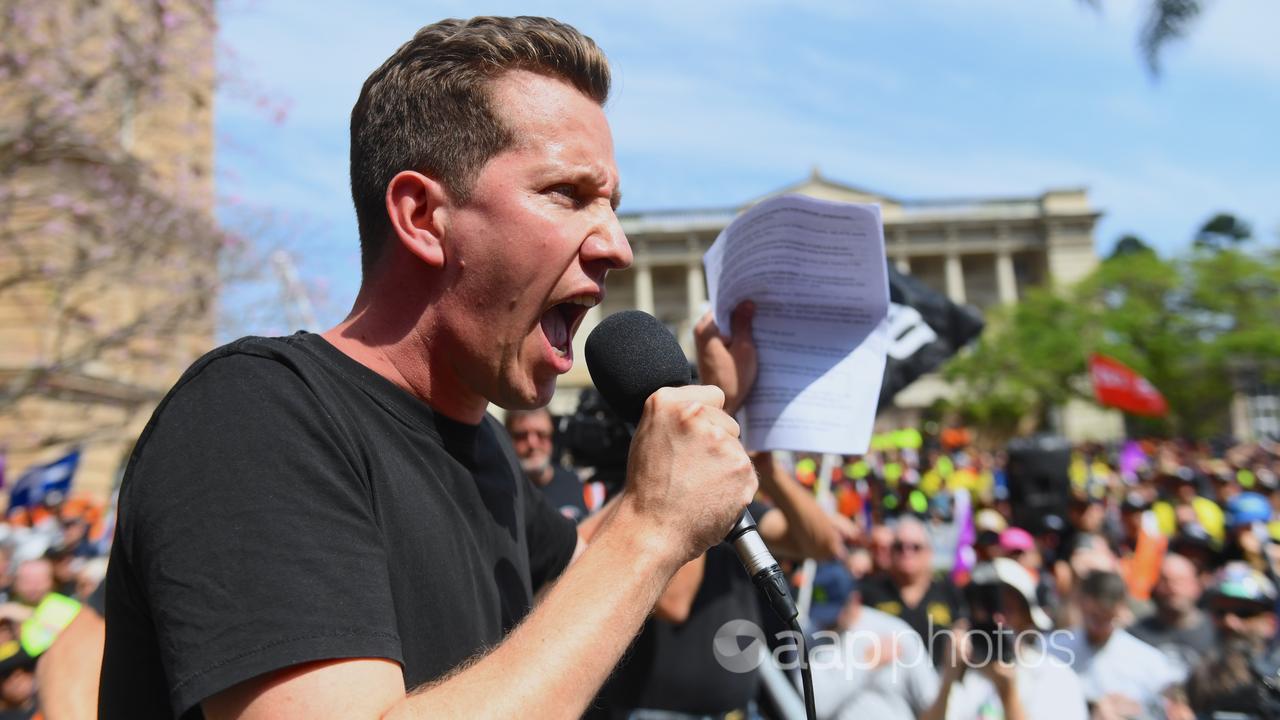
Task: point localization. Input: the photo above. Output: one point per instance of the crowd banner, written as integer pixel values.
(925, 329)
(41, 480)
(1116, 385)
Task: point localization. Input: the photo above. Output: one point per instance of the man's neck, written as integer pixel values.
(1172, 618)
(404, 358)
(1099, 641)
(913, 587)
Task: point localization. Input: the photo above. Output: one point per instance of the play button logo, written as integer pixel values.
(739, 646)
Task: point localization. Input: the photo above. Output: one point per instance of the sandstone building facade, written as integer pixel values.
(108, 247)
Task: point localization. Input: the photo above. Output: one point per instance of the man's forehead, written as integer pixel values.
(548, 113)
(911, 532)
(533, 418)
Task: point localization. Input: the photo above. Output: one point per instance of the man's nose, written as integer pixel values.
(607, 245)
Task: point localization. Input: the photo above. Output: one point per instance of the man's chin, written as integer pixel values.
(535, 469)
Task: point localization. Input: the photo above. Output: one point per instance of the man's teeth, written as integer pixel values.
(586, 301)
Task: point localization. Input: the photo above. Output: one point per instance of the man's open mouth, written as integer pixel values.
(561, 320)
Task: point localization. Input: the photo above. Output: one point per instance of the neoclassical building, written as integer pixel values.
(981, 251)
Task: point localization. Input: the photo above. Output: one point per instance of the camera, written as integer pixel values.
(989, 638)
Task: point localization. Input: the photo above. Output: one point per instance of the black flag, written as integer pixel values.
(925, 328)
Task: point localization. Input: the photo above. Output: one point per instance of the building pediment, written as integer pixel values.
(824, 188)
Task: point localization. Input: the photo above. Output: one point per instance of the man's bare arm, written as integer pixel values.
(801, 528)
(68, 672)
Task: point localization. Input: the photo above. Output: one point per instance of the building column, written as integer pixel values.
(644, 288)
(1006, 281)
(695, 291)
(903, 264)
(955, 278)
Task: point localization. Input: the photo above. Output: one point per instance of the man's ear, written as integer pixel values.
(415, 206)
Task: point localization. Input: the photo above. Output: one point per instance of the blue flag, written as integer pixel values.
(40, 480)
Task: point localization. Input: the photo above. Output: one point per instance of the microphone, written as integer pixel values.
(630, 355)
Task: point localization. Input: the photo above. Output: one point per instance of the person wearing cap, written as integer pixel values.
(1178, 627)
(1032, 684)
(874, 665)
(988, 524)
(1242, 603)
(1247, 517)
(1121, 675)
(1019, 545)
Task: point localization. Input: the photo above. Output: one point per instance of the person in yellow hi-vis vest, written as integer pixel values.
(38, 627)
(47, 621)
(1187, 506)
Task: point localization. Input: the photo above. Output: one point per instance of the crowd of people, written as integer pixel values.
(52, 560)
(1147, 590)
(1150, 576)
(1144, 586)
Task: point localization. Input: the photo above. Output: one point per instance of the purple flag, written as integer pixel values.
(1132, 459)
(965, 538)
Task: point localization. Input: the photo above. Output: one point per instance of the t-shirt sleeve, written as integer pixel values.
(250, 531)
(552, 537)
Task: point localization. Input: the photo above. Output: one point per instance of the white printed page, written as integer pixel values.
(816, 271)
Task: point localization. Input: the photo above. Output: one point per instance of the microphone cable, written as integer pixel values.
(806, 673)
(768, 577)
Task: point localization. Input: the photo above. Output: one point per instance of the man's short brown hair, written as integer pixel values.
(428, 107)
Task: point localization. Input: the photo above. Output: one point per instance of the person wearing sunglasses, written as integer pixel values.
(1241, 677)
(532, 432)
(911, 592)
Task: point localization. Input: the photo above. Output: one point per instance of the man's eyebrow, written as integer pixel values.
(616, 198)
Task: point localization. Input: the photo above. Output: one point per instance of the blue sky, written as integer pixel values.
(718, 101)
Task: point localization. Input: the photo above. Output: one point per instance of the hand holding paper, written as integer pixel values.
(815, 272)
(728, 362)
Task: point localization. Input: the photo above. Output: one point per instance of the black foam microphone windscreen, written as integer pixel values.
(631, 354)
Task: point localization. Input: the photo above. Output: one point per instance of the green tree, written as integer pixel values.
(1189, 324)
(1222, 231)
(1128, 245)
(1141, 310)
(1025, 363)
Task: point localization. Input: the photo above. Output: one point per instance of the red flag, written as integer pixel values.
(1116, 385)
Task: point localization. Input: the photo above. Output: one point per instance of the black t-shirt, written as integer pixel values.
(564, 492)
(940, 604)
(286, 504)
(674, 667)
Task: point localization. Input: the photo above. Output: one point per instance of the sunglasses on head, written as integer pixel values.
(907, 547)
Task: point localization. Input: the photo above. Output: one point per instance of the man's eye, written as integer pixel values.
(568, 191)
